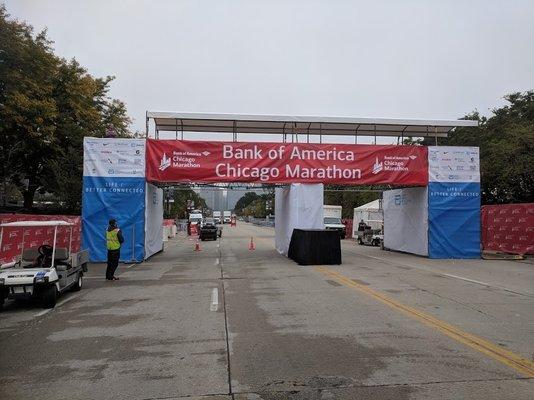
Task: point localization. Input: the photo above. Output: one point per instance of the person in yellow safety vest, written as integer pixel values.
(114, 239)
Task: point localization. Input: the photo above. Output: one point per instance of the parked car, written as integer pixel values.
(209, 229)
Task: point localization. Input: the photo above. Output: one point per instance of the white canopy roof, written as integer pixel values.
(313, 125)
(371, 206)
(24, 224)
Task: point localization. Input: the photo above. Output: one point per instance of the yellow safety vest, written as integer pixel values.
(113, 239)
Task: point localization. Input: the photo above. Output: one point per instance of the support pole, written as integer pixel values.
(133, 241)
(70, 241)
(402, 134)
(22, 241)
(234, 131)
(54, 248)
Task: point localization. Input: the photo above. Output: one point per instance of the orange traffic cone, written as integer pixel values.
(197, 246)
(251, 246)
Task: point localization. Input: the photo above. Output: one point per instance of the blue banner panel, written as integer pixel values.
(113, 197)
(454, 220)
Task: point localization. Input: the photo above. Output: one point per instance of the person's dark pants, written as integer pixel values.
(113, 263)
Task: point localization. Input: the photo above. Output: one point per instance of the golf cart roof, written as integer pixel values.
(28, 224)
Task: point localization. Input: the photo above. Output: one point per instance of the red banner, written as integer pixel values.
(189, 161)
(508, 228)
(12, 239)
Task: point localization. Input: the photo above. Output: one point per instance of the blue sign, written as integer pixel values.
(454, 220)
(123, 199)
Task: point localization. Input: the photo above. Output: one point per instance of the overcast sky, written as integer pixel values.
(406, 59)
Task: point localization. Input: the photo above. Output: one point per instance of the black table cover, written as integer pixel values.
(315, 247)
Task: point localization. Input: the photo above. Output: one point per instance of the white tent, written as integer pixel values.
(297, 206)
(371, 213)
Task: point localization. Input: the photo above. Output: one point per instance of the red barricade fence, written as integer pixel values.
(348, 226)
(508, 228)
(12, 240)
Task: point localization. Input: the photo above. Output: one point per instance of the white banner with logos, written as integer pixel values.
(453, 164)
(406, 220)
(114, 157)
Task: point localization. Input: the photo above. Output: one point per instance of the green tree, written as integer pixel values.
(245, 201)
(84, 110)
(27, 108)
(506, 142)
(256, 209)
(261, 206)
(47, 106)
(181, 198)
(339, 195)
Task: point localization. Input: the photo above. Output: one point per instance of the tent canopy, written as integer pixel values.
(371, 206)
(180, 122)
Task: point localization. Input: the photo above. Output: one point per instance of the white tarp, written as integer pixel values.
(153, 220)
(105, 157)
(371, 213)
(453, 164)
(297, 206)
(406, 220)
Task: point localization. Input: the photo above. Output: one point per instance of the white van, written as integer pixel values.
(332, 220)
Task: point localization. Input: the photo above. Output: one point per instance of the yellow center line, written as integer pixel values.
(506, 357)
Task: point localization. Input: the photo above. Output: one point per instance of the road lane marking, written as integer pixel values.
(214, 300)
(41, 313)
(468, 280)
(506, 357)
(437, 272)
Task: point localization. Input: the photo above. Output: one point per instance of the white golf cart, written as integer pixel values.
(42, 272)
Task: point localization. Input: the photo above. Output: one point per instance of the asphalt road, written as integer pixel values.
(231, 323)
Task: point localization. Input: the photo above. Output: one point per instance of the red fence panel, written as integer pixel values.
(13, 241)
(348, 226)
(168, 222)
(508, 228)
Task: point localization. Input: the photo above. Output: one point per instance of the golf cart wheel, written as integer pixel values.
(78, 284)
(49, 297)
